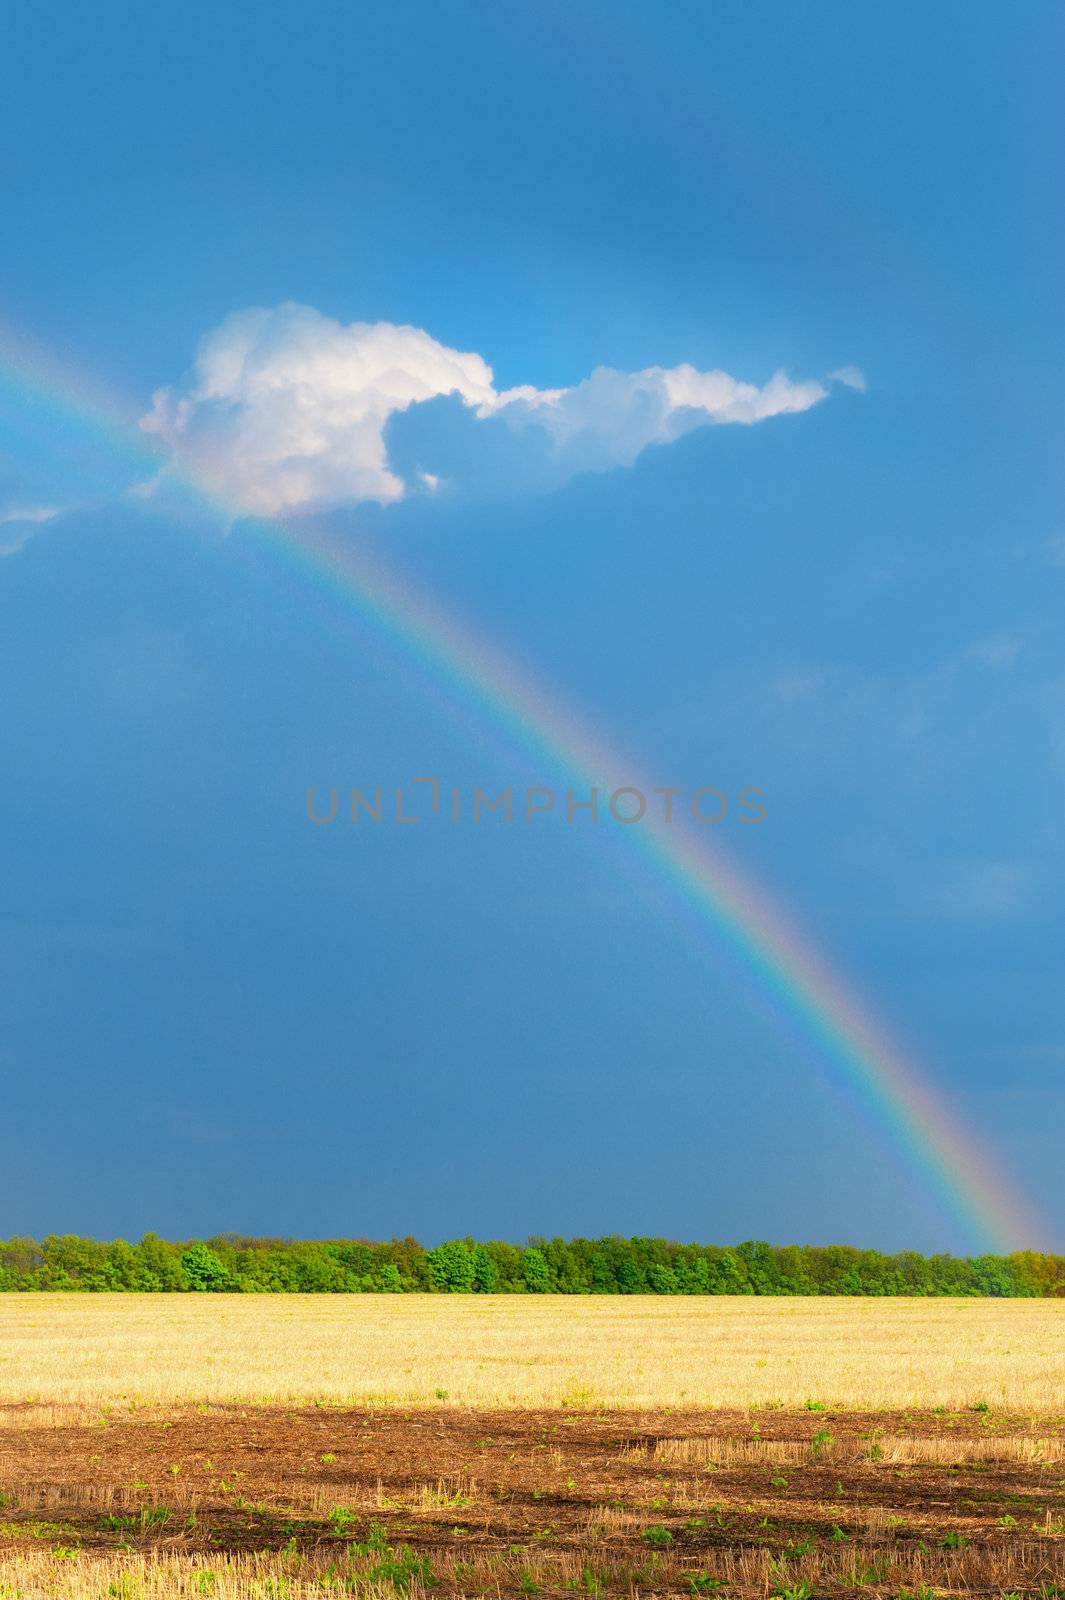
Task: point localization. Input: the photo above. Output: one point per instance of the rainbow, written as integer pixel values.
(898, 1095)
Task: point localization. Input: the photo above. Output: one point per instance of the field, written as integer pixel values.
(165, 1445)
(533, 1350)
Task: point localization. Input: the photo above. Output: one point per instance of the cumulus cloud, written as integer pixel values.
(850, 377)
(288, 410)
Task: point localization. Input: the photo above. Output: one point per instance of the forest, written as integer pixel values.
(230, 1263)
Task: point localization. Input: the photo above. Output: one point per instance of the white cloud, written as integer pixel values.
(850, 377)
(287, 410)
(24, 520)
(31, 514)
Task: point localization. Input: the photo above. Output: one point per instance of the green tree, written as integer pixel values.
(453, 1266)
(485, 1271)
(534, 1270)
(203, 1270)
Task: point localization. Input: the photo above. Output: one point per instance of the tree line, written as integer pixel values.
(234, 1264)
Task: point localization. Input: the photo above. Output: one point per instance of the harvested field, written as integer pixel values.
(241, 1500)
(172, 1445)
(521, 1350)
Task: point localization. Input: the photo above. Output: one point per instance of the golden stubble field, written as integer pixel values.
(405, 1447)
(532, 1351)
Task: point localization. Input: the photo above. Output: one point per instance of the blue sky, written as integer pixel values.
(216, 1016)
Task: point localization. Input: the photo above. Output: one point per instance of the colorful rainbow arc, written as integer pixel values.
(959, 1173)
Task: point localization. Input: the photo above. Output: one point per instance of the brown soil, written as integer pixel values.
(647, 1501)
